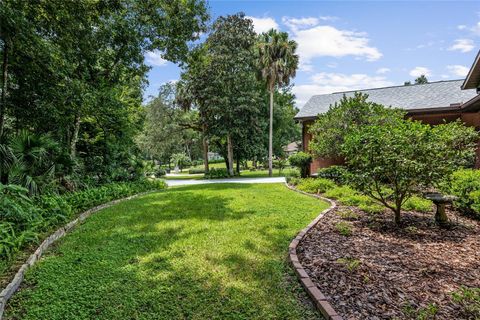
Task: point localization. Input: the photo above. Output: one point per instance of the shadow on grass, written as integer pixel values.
(165, 256)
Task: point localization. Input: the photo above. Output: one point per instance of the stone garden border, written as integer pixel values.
(315, 294)
(13, 286)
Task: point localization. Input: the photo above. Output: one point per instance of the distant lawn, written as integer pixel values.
(243, 174)
(197, 252)
(264, 173)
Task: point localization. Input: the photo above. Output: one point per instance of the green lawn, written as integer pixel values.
(197, 252)
(243, 174)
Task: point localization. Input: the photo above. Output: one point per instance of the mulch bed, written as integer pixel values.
(382, 271)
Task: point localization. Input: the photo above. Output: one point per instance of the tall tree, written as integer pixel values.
(76, 69)
(277, 64)
(232, 91)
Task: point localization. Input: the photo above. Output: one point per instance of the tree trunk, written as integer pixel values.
(4, 87)
(230, 155)
(73, 142)
(397, 215)
(205, 151)
(270, 136)
(238, 166)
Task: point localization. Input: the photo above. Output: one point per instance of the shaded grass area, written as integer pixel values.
(198, 252)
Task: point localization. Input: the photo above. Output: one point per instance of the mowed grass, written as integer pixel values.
(243, 174)
(215, 251)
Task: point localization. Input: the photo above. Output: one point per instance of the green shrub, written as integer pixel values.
(418, 204)
(218, 173)
(315, 185)
(160, 172)
(350, 263)
(339, 174)
(279, 164)
(196, 171)
(465, 184)
(293, 180)
(340, 192)
(371, 208)
(356, 200)
(347, 214)
(15, 205)
(344, 228)
(301, 160)
(22, 220)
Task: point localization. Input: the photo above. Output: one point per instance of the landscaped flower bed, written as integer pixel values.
(370, 268)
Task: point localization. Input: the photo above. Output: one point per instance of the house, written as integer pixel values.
(291, 148)
(431, 103)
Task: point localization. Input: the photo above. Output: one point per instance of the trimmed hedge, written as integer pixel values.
(32, 217)
(195, 171)
(218, 173)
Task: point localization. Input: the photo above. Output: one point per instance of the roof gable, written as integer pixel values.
(413, 97)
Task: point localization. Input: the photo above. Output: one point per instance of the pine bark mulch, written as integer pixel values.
(381, 271)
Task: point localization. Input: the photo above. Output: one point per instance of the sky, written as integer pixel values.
(350, 45)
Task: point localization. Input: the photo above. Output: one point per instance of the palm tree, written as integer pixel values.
(277, 64)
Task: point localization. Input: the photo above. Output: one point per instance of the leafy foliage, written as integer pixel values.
(405, 156)
(302, 161)
(23, 220)
(217, 173)
(315, 185)
(339, 174)
(331, 128)
(465, 184)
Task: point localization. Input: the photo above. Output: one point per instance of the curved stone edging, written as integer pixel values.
(13, 286)
(315, 294)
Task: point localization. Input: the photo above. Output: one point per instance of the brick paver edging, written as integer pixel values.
(317, 296)
(13, 286)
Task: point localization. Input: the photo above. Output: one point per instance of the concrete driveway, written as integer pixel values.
(174, 183)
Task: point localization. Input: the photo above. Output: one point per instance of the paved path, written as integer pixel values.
(173, 183)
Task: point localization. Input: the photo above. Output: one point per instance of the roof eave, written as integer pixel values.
(472, 104)
(472, 81)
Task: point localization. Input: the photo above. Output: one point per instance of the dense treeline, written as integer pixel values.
(72, 80)
(221, 102)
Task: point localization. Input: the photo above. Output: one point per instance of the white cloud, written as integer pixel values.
(299, 23)
(461, 27)
(334, 82)
(476, 29)
(154, 58)
(463, 45)
(263, 24)
(418, 71)
(320, 41)
(458, 70)
(383, 70)
(328, 18)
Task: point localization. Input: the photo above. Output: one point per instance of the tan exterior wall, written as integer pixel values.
(470, 119)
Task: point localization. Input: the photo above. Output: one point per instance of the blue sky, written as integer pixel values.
(348, 45)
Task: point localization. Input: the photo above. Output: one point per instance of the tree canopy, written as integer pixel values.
(75, 70)
(331, 128)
